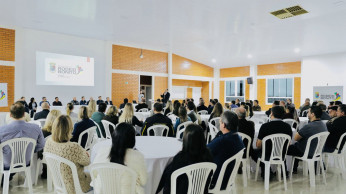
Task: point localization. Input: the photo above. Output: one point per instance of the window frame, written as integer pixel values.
(236, 87)
(292, 98)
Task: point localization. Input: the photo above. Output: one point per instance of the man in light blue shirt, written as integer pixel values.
(18, 128)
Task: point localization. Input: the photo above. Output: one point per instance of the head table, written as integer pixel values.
(157, 151)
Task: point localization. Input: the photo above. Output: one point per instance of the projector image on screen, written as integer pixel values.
(59, 69)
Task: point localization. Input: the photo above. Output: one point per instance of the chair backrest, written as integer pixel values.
(18, 148)
(197, 175)
(212, 130)
(320, 140)
(106, 125)
(143, 110)
(36, 123)
(54, 164)
(196, 121)
(325, 121)
(257, 121)
(203, 112)
(305, 113)
(90, 137)
(293, 123)
(110, 176)
(98, 128)
(173, 117)
(169, 114)
(159, 130)
(181, 128)
(278, 151)
(237, 159)
(338, 147)
(42, 121)
(216, 122)
(243, 136)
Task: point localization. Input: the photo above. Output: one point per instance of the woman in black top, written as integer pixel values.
(32, 107)
(112, 116)
(194, 151)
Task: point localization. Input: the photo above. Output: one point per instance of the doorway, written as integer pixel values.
(146, 88)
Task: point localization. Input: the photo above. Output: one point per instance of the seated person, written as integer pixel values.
(176, 108)
(158, 119)
(18, 128)
(125, 102)
(141, 105)
(84, 124)
(43, 114)
(336, 129)
(304, 107)
(57, 102)
(333, 115)
(47, 128)
(83, 101)
(194, 151)
(108, 101)
(237, 102)
(313, 127)
(233, 105)
(290, 104)
(169, 107)
(324, 115)
(246, 127)
(123, 152)
(59, 144)
(191, 113)
(275, 103)
(112, 116)
(211, 106)
(256, 106)
(225, 146)
(44, 99)
(275, 126)
(69, 111)
(217, 111)
(128, 116)
(75, 101)
(201, 105)
(182, 118)
(90, 100)
(99, 100)
(98, 116)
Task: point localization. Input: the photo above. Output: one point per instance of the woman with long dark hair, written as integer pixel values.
(194, 151)
(217, 111)
(182, 117)
(123, 152)
(32, 107)
(176, 108)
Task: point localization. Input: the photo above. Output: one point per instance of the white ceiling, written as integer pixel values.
(202, 30)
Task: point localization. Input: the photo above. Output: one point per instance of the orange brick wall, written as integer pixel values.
(235, 72)
(280, 68)
(124, 86)
(205, 91)
(247, 91)
(297, 91)
(261, 94)
(7, 44)
(7, 76)
(222, 93)
(190, 83)
(160, 84)
(193, 68)
(127, 58)
(189, 93)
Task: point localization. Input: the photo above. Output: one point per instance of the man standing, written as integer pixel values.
(336, 129)
(57, 102)
(165, 97)
(18, 128)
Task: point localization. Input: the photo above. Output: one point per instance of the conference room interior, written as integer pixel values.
(266, 51)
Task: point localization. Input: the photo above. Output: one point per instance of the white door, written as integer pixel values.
(196, 94)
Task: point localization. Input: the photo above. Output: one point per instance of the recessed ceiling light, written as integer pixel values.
(297, 50)
(213, 60)
(249, 56)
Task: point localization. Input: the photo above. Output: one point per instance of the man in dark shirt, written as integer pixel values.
(246, 127)
(305, 106)
(336, 129)
(201, 105)
(275, 103)
(256, 106)
(83, 101)
(125, 102)
(324, 115)
(75, 101)
(108, 101)
(158, 119)
(43, 114)
(165, 96)
(141, 105)
(225, 146)
(275, 126)
(99, 100)
(289, 103)
(237, 102)
(313, 127)
(57, 102)
(44, 99)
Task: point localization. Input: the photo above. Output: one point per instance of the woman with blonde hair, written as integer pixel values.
(128, 116)
(169, 107)
(84, 124)
(91, 107)
(69, 109)
(59, 144)
(47, 128)
(112, 116)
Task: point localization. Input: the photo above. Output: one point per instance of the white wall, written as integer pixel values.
(323, 70)
(29, 41)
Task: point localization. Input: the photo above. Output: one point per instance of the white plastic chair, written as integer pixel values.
(143, 110)
(257, 121)
(203, 112)
(98, 128)
(197, 175)
(293, 123)
(246, 161)
(106, 125)
(90, 132)
(216, 122)
(237, 158)
(320, 139)
(277, 157)
(36, 123)
(42, 121)
(38, 165)
(108, 177)
(54, 163)
(173, 117)
(339, 158)
(18, 148)
(305, 112)
(169, 114)
(158, 130)
(212, 131)
(181, 128)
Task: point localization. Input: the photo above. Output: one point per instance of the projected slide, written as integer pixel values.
(58, 69)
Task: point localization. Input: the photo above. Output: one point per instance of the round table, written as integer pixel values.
(157, 151)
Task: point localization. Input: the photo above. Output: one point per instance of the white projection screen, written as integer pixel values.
(65, 70)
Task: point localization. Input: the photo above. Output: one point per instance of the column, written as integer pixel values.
(217, 82)
(170, 64)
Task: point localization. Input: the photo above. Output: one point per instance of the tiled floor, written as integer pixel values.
(299, 185)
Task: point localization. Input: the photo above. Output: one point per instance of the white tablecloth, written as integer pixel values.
(259, 114)
(142, 115)
(63, 108)
(157, 152)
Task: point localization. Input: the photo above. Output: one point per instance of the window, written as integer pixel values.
(235, 89)
(279, 89)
